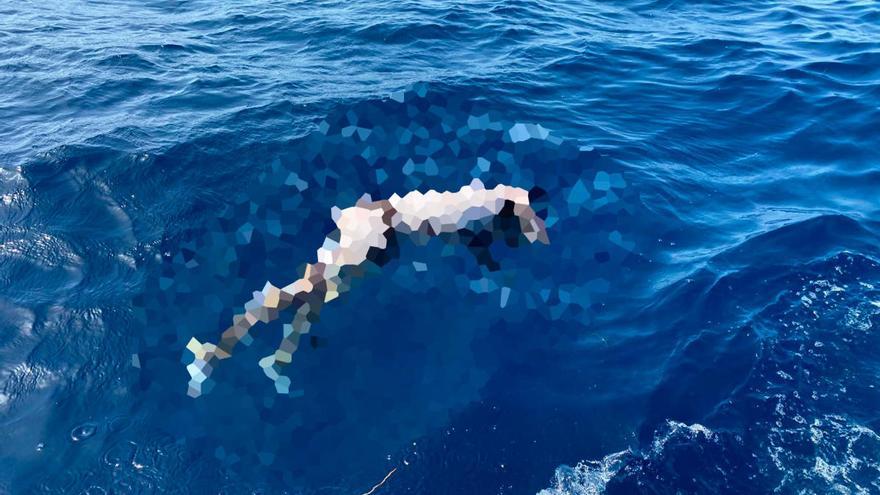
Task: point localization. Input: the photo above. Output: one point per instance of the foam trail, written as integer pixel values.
(365, 236)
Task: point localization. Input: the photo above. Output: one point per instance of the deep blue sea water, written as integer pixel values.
(705, 320)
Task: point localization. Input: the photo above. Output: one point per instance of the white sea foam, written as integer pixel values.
(592, 477)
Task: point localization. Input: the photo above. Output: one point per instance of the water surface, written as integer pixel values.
(704, 321)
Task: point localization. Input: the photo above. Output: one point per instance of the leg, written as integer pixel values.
(274, 363)
(264, 307)
(326, 284)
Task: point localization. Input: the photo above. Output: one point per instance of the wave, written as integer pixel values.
(700, 460)
(778, 369)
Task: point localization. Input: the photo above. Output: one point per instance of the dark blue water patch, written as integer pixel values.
(772, 412)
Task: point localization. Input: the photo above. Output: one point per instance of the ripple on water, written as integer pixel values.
(83, 432)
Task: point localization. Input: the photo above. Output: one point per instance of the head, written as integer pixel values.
(530, 209)
(539, 200)
(531, 217)
(532, 226)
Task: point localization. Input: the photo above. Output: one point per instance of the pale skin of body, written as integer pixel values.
(363, 234)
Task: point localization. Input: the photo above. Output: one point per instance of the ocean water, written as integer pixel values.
(706, 318)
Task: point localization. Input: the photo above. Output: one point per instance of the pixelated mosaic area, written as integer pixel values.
(424, 332)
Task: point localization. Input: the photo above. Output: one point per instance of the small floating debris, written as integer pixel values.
(83, 432)
(379, 484)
